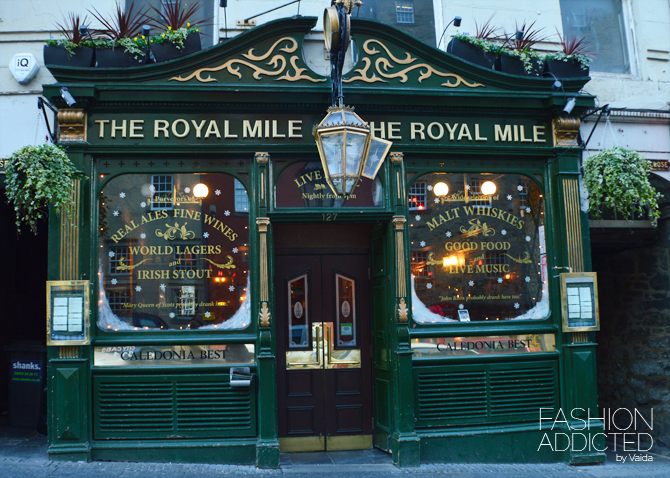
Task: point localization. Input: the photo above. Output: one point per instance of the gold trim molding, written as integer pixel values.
(263, 223)
(396, 157)
(386, 69)
(565, 131)
(69, 237)
(399, 222)
(264, 315)
(278, 64)
(71, 125)
(573, 224)
(262, 157)
(403, 312)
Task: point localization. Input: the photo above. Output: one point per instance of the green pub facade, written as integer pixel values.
(215, 301)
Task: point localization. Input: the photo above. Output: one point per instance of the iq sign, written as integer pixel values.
(24, 67)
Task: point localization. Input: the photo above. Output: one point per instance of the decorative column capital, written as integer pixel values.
(396, 157)
(565, 131)
(72, 125)
(399, 222)
(263, 223)
(262, 157)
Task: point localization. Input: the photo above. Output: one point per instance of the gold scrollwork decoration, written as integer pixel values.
(477, 228)
(227, 265)
(277, 62)
(122, 266)
(383, 67)
(171, 232)
(264, 315)
(524, 260)
(431, 261)
(403, 312)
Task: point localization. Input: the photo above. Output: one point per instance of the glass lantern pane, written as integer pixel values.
(355, 147)
(376, 154)
(351, 118)
(333, 147)
(333, 119)
(349, 185)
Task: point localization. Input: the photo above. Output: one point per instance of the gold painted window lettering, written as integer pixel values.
(346, 311)
(170, 260)
(298, 313)
(478, 249)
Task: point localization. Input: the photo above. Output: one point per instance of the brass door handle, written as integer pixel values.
(308, 359)
(333, 359)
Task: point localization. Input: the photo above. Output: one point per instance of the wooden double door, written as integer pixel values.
(323, 351)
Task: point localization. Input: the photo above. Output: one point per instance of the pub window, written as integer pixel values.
(419, 266)
(185, 261)
(241, 198)
(404, 10)
(118, 299)
(163, 192)
(182, 265)
(524, 184)
(474, 191)
(603, 24)
(483, 254)
(120, 260)
(417, 196)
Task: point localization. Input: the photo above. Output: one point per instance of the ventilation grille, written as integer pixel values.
(484, 393)
(172, 406)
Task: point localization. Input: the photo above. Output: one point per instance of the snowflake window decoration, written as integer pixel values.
(423, 243)
(499, 280)
(527, 279)
(187, 190)
(503, 232)
(516, 305)
(527, 238)
(437, 200)
(143, 236)
(509, 197)
(429, 286)
(217, 192)
(138, 288)
(116, 213)
(205, 234)
(235, 250)
(122, 195)
(519, 188)
(226, 212)
(172, 316)
(162, 286)
(448, 233)
(460, 306)
(471, 283)
(208, 314)
(417, 217)
(114, 281)
(111, 254)
(429, 187)
(231, 288)
(143, 204)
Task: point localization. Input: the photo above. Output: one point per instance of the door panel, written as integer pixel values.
(324, 388)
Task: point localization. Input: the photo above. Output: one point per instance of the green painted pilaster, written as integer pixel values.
(267, 446)
(405, 444)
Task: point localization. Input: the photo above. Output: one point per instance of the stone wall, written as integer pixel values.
(633, 352)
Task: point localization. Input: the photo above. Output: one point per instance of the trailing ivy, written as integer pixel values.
(583, 60)
(37, 176)
(618, 179)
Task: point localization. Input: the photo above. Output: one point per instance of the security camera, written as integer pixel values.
(569, 105)
(69, 99)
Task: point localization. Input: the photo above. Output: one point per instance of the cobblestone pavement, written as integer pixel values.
(24, 455)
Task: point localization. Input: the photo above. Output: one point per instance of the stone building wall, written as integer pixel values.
(633, 352)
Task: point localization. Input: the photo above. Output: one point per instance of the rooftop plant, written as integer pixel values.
(72, 35)
(123, 28)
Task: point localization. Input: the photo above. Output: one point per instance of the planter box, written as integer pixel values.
(168, 51)
(514, 66)
(58, 55)
(117, 58)
(565, 69)
(469, 52)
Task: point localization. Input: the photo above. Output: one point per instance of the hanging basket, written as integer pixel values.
(617, 179)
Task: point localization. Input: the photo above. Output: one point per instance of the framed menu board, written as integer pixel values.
(68, 313)
(579, 294)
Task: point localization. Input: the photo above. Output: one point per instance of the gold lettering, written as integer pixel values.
(248, 132)
(434, 136)
(537, 133)
(226, 130)
(198, 127)
(187, 128)
(501, 135)
(275, 134)
(523, 136)
(374, 130)
(394, 131)
(212, 128)
(451, 130)
(122, 128)
(294, 127)
(267, 128)
(134, 126)
(465, 131)
(516, 133)
(161, 125)
(417, 128)
(102, 123)
(477, 135)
